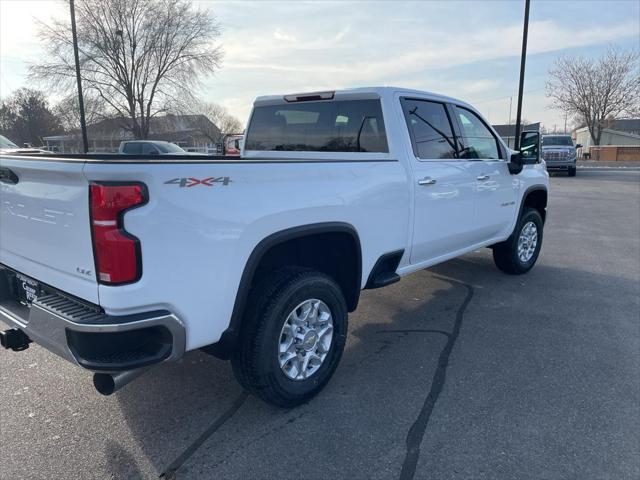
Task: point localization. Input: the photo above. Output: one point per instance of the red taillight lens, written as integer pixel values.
(117, 253)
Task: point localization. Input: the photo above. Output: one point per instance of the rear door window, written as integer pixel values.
(335, 126)
(430, 129)
(149, 149)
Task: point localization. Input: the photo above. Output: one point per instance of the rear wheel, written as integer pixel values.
(518, 254)
(293, 336)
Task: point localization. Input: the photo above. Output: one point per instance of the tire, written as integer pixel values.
(256, 360)
(571, 172)
(505, 254)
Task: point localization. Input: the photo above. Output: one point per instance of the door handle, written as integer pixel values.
(482, 178)
(427, 181)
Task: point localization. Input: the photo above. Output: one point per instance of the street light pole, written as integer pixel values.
(522, 64)
(83, 124)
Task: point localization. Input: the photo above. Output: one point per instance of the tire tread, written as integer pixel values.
(263, 299)
(504, 254)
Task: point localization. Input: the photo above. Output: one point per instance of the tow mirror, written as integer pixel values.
(529, 152)
(530, 147)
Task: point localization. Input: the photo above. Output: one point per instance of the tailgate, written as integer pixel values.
(44, 223)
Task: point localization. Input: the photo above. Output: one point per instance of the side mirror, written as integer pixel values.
(578, 146)
(529, 152)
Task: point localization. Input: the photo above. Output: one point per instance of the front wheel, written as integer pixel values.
(293, 337)
(572, 171)
(518, 254)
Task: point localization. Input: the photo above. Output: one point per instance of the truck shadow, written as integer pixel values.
(191, 419)
(172, 406)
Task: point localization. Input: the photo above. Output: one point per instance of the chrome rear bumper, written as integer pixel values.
(85, 335)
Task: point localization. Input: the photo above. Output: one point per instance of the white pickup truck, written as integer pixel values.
(120, 262)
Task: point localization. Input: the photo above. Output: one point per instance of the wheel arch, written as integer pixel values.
(274, 247)
(535, 197)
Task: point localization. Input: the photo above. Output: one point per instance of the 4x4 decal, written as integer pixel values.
(192, 182)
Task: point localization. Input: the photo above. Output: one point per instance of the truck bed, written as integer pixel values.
(203, 219)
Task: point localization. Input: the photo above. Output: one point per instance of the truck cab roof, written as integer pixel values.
(354, 94)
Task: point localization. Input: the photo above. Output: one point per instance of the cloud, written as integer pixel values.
(437, 51)
(348, 52)
(280, 47)
(280, 35)
(18, 25)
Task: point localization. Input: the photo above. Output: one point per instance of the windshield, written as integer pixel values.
(561, 140)
(170, 148)
(6, 143)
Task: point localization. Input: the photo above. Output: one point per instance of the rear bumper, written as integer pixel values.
(85, 335)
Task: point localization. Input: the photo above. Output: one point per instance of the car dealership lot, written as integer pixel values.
(458, 371)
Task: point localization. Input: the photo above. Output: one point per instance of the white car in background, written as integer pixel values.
(7, 146)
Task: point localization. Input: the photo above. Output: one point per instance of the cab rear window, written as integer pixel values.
(334, 126)
(132, 148)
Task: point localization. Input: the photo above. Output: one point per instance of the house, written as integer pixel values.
(626, 125)
(616, 132)
(191, 132)
(508, 132)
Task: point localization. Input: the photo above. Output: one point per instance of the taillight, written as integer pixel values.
(117, 253)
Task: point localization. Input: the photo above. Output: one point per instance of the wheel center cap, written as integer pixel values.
(310, 340)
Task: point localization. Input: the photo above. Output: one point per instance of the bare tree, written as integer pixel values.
(220, 116)
(138, 56)
(594, 91)
(68, 111)
(217, 114)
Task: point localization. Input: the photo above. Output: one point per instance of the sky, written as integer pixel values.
(468, 50)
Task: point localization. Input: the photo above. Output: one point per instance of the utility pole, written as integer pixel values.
(83, 124)
(522, 64)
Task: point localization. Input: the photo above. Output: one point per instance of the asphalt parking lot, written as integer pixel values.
(456, 372)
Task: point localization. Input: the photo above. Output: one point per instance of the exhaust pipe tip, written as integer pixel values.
(104, 383)
(109, 383)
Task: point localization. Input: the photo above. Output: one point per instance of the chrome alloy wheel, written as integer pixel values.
(527, 241)
(305, 339)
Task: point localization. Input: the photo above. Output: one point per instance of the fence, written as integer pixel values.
(613, 153)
